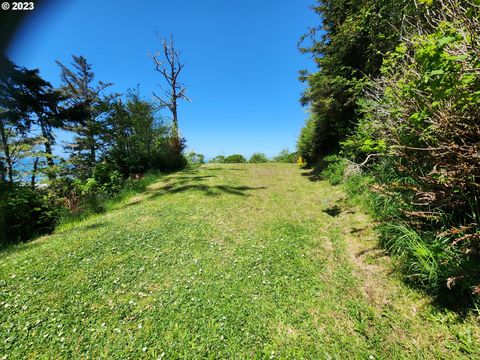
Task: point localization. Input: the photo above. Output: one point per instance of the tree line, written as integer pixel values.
(395, 107)
(284, 156)
(114, 137)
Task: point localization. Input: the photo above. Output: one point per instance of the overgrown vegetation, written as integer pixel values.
(410, 125)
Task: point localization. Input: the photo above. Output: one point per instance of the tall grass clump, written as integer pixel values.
(427, 256)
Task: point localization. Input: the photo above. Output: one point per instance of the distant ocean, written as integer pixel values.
(24, 169)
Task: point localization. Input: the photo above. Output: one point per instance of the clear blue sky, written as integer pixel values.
(241, 61)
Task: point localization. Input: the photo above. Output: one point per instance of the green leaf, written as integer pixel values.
(447, 40)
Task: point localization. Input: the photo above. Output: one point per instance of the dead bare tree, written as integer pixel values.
(167, 63)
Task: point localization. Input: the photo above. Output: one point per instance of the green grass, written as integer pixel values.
(223, 261)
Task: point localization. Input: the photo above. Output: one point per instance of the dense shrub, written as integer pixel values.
(334, 169)
(286, 156)
(77, 196)
(313, 140)
(168, 154)
(415, 147)
(219, 159)
(108, 178)
(137, 140)
(258, 158)
(235, 158)
(115, 138)
(422, 116)
(194, 158)
(24, 213)
(348, 46)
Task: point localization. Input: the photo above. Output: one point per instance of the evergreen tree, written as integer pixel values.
(29, 102)
(15, 121)
(44, 103)
(347, 47)
(91, 104)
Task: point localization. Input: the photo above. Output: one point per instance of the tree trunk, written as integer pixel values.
(92, 156)
(91, 144)
(34, 173)
(48, 144)
(3, 172)
(174, 109)
(6, 150)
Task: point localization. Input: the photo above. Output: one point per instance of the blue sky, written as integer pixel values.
(241, 60)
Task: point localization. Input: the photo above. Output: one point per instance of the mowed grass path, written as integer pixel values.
(224, 261)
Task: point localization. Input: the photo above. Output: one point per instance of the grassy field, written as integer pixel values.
(224, 261)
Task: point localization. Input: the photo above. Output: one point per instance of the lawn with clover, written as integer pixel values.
(222, 261)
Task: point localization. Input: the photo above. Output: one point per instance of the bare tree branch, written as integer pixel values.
(167, 63)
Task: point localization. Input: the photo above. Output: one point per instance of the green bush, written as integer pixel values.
(258, 158)
(194, 158)
(135, 186)
(168, 154)
(235, 158)
(219, 159)
(286, 156)
(108, 179)
(86, 196)
(25, 213)
(427, 259)
(308, 143)
(335, 169)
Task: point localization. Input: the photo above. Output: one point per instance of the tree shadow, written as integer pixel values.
(333, 211)
(222, 168)
(12, 248)
(132, 203)
(191, 180)
(460, 300)
(82, 228)
(313, 175)
(183, 180)
(195, 178)
(374, 252)
(460, 304)
(208, 190)
(9, 249)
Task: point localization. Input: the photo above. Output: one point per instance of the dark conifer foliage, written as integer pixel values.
(347, 47)
(89, 98)
(114, 137)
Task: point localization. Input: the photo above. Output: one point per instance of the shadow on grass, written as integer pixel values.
(460, 301)
(190, 180)
(7, 249)
(185, 182)
(222, 168)
(333, 211)
(76, 227)
(194, 178)
(313, 175)
(208, 190)
(462, 305)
